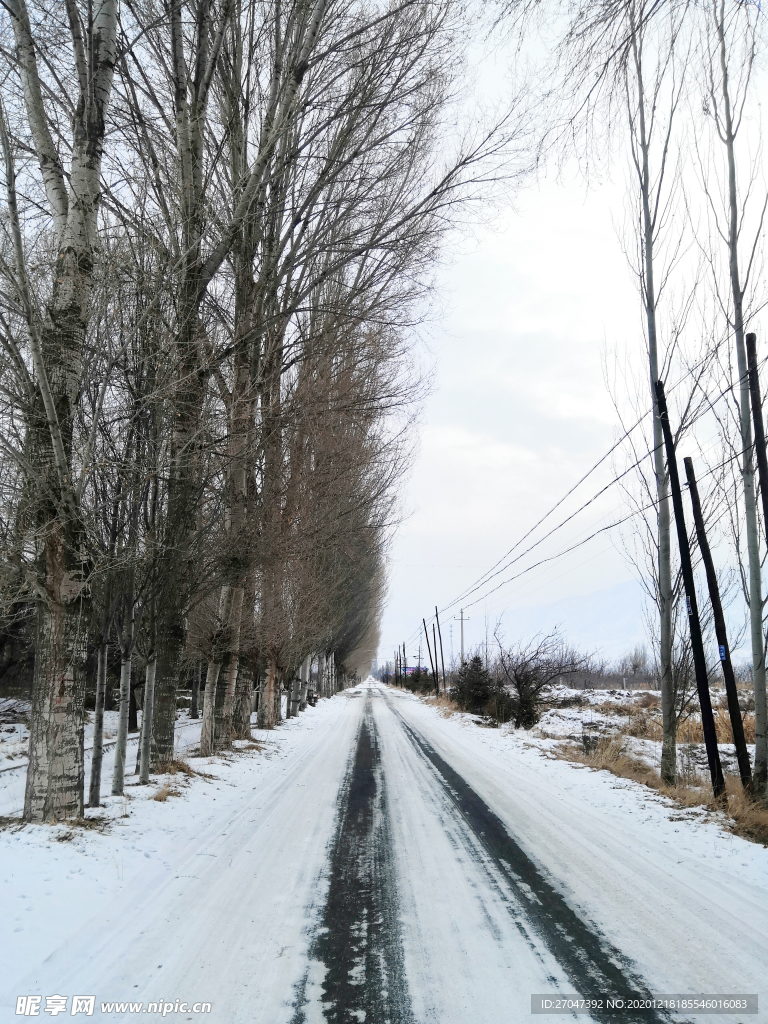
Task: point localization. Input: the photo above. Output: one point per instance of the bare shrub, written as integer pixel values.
(532, 669)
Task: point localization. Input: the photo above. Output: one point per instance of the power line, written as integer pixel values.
(603, 529)
(487, 578)
(491, 572)
(502, 564)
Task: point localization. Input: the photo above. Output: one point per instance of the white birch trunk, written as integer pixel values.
(207, 730)
(118, 772)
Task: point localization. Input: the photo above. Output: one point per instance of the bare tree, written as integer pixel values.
(67, 180)
(532, 669)
(729, 46)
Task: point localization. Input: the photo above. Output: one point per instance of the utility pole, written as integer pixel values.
(442, 659)
(463, 618)
(742, 754)
(437, 667)
(429, 651)
(697, 644)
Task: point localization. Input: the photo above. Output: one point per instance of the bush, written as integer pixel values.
(419, 682)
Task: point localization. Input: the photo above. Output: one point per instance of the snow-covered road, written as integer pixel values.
(386, 864)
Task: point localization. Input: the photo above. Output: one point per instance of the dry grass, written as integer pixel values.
(646, 724)
(691, 730)
(180, 767)
(648, 700)
(164, 792)
(11, 821)
(97, 824)
(743, 817)
(446, 706)
(177, 767)
(609, 753)
(750, 820)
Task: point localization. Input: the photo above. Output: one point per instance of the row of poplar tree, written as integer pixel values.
(221, 217)
(219, 226)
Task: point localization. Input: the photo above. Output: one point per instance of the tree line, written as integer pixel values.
(220, 222)
(221, 218)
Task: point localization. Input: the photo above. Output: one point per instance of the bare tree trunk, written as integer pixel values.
(295, 701)
(55, 776)
(145, 743)
(305, 670)
(266, 715)
(728, 137)
(322, 675)
(241, 714)
(289, 698)
(207, 731)
(97, 754)
(224, 728)
(118, 772)
(664, 582)
(191, 93)
(278, 696)
(133, 711)
(244, 697)
(194, 711)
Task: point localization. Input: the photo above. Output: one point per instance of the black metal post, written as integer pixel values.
(697, 644)
(742, 754)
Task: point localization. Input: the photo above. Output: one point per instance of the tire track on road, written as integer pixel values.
(592, 964)
(358, 942)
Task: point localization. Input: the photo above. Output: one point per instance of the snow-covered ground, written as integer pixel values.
(606, 712)
(14, 743)
(223, 892)
(685, 899)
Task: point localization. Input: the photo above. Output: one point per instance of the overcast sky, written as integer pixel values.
(519, 412)
(530, 312)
